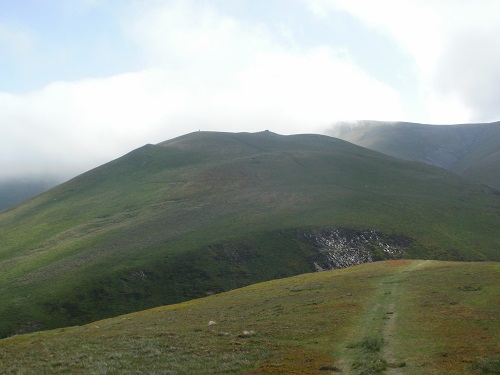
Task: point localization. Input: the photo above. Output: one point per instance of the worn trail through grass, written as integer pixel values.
(396, 317)
(371, 348)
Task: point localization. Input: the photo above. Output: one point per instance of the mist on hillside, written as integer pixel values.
(16, 190)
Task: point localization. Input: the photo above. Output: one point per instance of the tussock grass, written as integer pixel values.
(370, 361)
(487, 366)
(369, 345)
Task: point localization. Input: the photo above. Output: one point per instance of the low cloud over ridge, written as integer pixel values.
(201, 65)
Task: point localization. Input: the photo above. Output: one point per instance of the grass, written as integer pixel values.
(369, 359)
(298, 325)
(369, 345)
(487, 366)
(469, 317)
(211, 212)
(469, 150)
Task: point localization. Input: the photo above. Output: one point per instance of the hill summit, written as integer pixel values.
(209, 212)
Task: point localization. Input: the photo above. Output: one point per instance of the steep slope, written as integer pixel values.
(471, 150)
(209, 212)
(410, 317)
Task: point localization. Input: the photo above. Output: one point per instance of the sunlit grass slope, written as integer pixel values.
(209, 212)
(405, 317)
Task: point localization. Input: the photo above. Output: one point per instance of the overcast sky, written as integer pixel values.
(85, 81)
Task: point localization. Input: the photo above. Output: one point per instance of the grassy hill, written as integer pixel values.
(470, 150)
(210, 212)
(402, 316)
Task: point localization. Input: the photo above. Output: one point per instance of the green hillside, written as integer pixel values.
(470, 150)
(394, 317)
(210, 212)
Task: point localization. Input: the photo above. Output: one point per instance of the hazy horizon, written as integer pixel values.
(84, 82)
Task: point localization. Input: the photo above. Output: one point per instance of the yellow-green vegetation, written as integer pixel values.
(394, 317)
(210, 212)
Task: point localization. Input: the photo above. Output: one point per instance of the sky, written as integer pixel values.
(85, 81)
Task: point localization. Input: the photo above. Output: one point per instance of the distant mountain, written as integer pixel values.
(406, 317)
(470, 150)
(209, 212)
(15, 191)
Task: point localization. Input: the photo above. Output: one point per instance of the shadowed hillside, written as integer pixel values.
(471, 150)
(210, 212)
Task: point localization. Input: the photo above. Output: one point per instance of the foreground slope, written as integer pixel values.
(470, 150)
(209, 212)
(406, 317)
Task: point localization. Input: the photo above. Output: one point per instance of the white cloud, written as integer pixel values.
(15, 41)
(454, 44)
(205, 71)
(68, 127)
(192, 37)
(244, 65)
(469, 70)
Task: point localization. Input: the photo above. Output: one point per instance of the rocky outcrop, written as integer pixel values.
(341, 247)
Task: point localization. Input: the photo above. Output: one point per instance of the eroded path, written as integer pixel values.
(371, 348)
